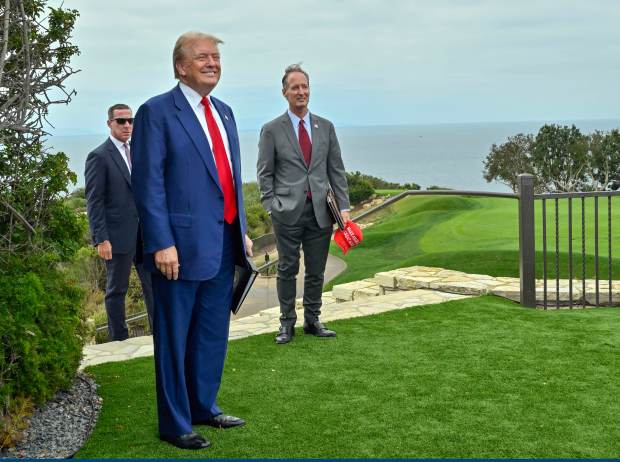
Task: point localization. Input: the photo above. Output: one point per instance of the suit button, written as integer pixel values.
(221, 222)
(221, 198)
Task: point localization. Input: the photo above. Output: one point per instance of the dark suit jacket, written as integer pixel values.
(177, 187)
(112, 213)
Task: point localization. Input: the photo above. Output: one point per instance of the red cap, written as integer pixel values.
(348, 237)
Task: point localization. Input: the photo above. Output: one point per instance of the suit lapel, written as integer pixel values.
(316, 137)
(118, 160)
(292, 137)
(187, 117)
(232, 140)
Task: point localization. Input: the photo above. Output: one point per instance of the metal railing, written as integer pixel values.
(527, 244)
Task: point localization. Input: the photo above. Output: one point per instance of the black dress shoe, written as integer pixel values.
(223, 421)
(318, 329)
(188, 441)
(285, 334)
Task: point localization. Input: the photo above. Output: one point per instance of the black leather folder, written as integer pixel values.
(245, 275)
(332, 205)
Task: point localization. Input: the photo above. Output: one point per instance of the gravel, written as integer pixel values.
(60, 428)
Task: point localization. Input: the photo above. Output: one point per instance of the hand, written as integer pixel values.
(346, 216)
(248, 246)
(104, 249)
(167, 261)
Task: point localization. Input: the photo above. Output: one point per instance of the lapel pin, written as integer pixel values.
(225, 116)
(316, 125)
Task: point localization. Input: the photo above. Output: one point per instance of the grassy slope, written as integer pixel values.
(473, 378)
(476, 235)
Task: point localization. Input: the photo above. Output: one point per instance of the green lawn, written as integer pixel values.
(475, 235)
(479, 377)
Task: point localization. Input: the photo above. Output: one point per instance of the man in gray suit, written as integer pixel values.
(298, 160)
(113, 218)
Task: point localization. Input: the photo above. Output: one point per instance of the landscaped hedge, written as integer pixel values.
(40, 334)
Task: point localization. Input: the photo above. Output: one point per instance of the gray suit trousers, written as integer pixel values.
(305, 233)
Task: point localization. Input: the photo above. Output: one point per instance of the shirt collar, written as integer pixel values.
(193, 97)
(295, 119)
(118, 143)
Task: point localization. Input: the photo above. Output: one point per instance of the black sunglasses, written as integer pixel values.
(123, 120)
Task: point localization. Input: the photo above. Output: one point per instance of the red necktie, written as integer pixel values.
(304, 143)
(221, 161)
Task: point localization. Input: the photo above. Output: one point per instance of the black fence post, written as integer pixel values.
(527, 245)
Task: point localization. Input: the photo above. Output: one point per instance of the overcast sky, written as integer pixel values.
(370, 62)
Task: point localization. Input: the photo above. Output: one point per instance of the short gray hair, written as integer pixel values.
(289, 70)
(186, 39)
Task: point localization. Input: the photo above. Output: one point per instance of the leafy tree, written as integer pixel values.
(41, 334)
(505, 162)
(605, 158)
(560, 157)
(34, 65)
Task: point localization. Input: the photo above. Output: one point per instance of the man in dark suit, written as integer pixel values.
(187, 185)
(113, 218)
(298, 160)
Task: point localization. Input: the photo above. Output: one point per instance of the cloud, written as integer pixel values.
(371, 62)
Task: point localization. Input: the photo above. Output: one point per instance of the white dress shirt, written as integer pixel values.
(121, 149)
(194, 99)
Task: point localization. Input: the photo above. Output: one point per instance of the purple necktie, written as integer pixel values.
(127, 155)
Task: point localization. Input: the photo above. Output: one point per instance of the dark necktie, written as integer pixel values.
(304, 143)
(221, 162)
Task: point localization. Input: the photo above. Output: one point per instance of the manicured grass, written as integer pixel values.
(476, 235)
(479, 377)
(388, 192)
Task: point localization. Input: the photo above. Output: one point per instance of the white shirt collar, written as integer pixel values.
(119, 144)
(192, 96)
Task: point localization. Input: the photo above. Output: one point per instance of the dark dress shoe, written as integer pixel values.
(285, 334)
(223, 421)
(318, 329)
(188, 441)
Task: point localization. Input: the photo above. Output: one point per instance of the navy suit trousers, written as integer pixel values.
(190, 333)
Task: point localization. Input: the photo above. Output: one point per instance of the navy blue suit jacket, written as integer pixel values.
(112, 214)
(176, 184)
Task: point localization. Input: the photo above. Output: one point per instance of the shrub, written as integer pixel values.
(360, 188)
(40, 334)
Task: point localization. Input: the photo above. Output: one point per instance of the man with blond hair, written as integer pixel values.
(187, 184)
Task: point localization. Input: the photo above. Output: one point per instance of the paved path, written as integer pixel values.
(264, 295)
(389, 290)
(267, 321)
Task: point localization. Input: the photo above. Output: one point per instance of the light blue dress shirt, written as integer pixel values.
(295, 120)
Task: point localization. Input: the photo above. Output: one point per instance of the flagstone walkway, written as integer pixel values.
(390, 290)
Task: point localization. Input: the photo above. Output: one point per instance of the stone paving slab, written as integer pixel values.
(268, 321)
(416, 277)
(388, 290)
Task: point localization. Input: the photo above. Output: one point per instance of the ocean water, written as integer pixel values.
(449, 155)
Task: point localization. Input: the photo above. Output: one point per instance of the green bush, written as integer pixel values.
(40, 330)
(258, 219)
(360, 188)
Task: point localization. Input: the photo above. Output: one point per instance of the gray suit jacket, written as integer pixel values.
(284, 178)
(112, 213)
